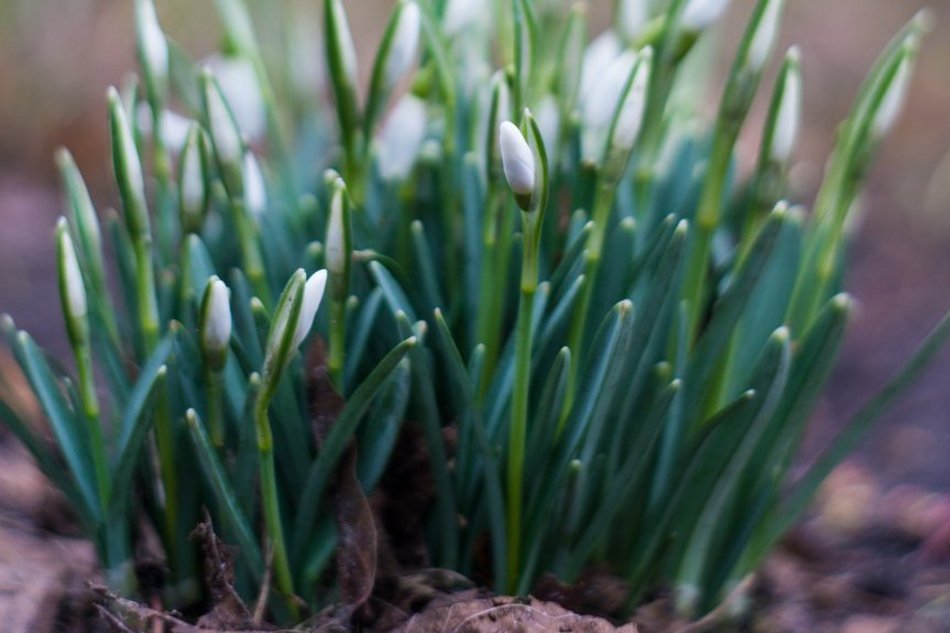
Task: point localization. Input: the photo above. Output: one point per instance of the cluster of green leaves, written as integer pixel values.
(628, 367)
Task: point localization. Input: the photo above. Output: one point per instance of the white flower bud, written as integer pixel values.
(193, 192)
(128, 168)
(312, 296)
(238, 82)
(600, 104)
(600, 53)
(460, 15)
(255, 191)
(893, 101)
(174, 127)
(788, 117)
(401, 137)
(517, 159)
(632, 15)
(630, 118)
(336, 233)
(700, 14)
(765, 34)
(405, 43)
(216, 322)
(223, 127)
(74, 292)
(152, 41)
(549, 121)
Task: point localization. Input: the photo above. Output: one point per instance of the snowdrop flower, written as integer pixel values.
(405, 43)
(401, 137)
(216, 322)
(154, 47)
(312, 296)
(128, 168)
(630, 118)
(347, 50)
(892, 102)
(255, 191)
(72, 290)
(238, 82)
(700, 14)
(632, 15)
(460, 15)
(173, 126)
(766, 32)
(518, 162)
(600, 103)
(549, 121)
(225, 132)
(336, 233)
(789, 114)
(193, 194)
(600, 53)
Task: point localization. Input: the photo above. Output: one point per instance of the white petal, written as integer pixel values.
(312, 296)
(632, 15)
(893, 100)
(517, 159)
(765, 34)
(549, 121)
(600, 103)
(700, 14)
(336, 247)
(154, 46)
(404, 44)
(216, 334)
(401, 137)
(255, 191)
(460, 14)
(72, 277)
(788, 118)
(630, 117)
(603, 50)
(238, 82)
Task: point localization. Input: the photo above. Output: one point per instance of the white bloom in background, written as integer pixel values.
(216, 316)
(549, 121)
(336, 234)
(405, 43)
(599, 104)
(401, 137)
(154, 45)
(630, 118)
(460, 15)
(305, 46)
(227, 138)
(600, 53)
(517, 159)
(255, 191)
(632, 15)
(238, 82)
(893, 101)
(174, 126)
(74, 297)
(312, 296)
(700, 14)
(765, 34)
(789, 115)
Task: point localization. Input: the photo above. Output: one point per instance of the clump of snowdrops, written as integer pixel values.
(556, 263)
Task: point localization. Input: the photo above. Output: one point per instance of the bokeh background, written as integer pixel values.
(58, 56)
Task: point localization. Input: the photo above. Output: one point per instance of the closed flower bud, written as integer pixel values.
(600, 54)
(128, 168)
(401, 137)
(892, 102)
(630, 117)
(345, 48)
(215, 323)
(600, 104)
(255, 191)
(71, 288)
(238, 82)
(192, 181)
(336, 253)
(460, 15)
(766, 32)
(700, 14)
(789, 113)
(518, 163)
(631, 17)
(312, 297)
(153, 48)
(405, 43)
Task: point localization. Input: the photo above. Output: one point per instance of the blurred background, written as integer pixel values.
(58, 56)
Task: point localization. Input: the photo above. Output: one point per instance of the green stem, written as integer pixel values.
(519, 401)
(271, 503)
(90, 405)
(495, 255)
(335, 359)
